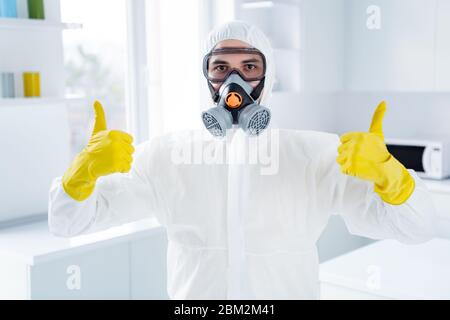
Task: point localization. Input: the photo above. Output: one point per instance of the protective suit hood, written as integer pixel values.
(239, 30)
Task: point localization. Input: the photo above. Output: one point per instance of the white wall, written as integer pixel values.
(408, 114)
(442, 64)
(305, 111)
(322, 45)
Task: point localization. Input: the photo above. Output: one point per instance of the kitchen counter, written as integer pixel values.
(33, 243)
(124, 262)
(389, 269)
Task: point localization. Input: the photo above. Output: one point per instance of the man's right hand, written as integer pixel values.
(107, 152)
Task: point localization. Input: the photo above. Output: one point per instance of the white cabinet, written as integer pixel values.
(322, 41)
(100, 273)
(13, 278)
(443, 45)
(400, 55)
(148, 267)
(280, 20)
(389, 270)
(287, 70)
(440, 193)
(127, 262)
(410, 52)
(36, 155)
(332, 48)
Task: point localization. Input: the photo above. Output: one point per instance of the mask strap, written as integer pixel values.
(258, 89)
(214, 94)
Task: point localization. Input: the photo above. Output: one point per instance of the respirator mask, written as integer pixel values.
(236, 99)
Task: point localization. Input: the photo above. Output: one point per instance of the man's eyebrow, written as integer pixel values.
(251, 60)
(219, 62)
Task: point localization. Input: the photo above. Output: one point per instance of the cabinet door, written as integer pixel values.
(102, 273)
(442, 204)
(149, 267)
(329, 291)
(13, 278)
(443, 46)
(397, 57)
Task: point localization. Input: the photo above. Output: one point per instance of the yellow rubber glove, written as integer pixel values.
(107, 152)
(364, 155)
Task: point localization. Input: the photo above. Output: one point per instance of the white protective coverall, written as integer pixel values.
(235, 232)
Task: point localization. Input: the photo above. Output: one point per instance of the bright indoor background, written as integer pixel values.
(142, 60)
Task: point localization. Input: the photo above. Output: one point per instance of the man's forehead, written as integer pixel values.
(232, 43)
(231, 57)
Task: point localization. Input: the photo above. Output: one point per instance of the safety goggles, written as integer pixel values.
(250, 63)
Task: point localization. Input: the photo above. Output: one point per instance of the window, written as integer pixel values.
(95, 63)
(175, 38)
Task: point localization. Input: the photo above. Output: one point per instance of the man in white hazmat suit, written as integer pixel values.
(235, 232)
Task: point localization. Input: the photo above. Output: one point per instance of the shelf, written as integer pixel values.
(286, 49)
(9, 102)
(19, 23)
(285, 92)
(268, 4)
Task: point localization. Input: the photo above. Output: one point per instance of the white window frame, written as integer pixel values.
(136, 79)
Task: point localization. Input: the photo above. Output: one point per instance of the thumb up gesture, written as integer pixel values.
(364, 155)
(107, 152)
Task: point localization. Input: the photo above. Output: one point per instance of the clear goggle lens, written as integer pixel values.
(248, 62)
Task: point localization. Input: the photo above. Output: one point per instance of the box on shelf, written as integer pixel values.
(8, 9)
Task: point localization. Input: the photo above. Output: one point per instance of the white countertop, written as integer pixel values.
(438, 185)
(404, 271)
(33, 243)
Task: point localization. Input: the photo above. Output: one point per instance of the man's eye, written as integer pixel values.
(220, 68)
(250, 66)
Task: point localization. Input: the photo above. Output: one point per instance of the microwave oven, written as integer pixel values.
(429, 158)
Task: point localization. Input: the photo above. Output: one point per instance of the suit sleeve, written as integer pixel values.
(362, 209)
(117, 199)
